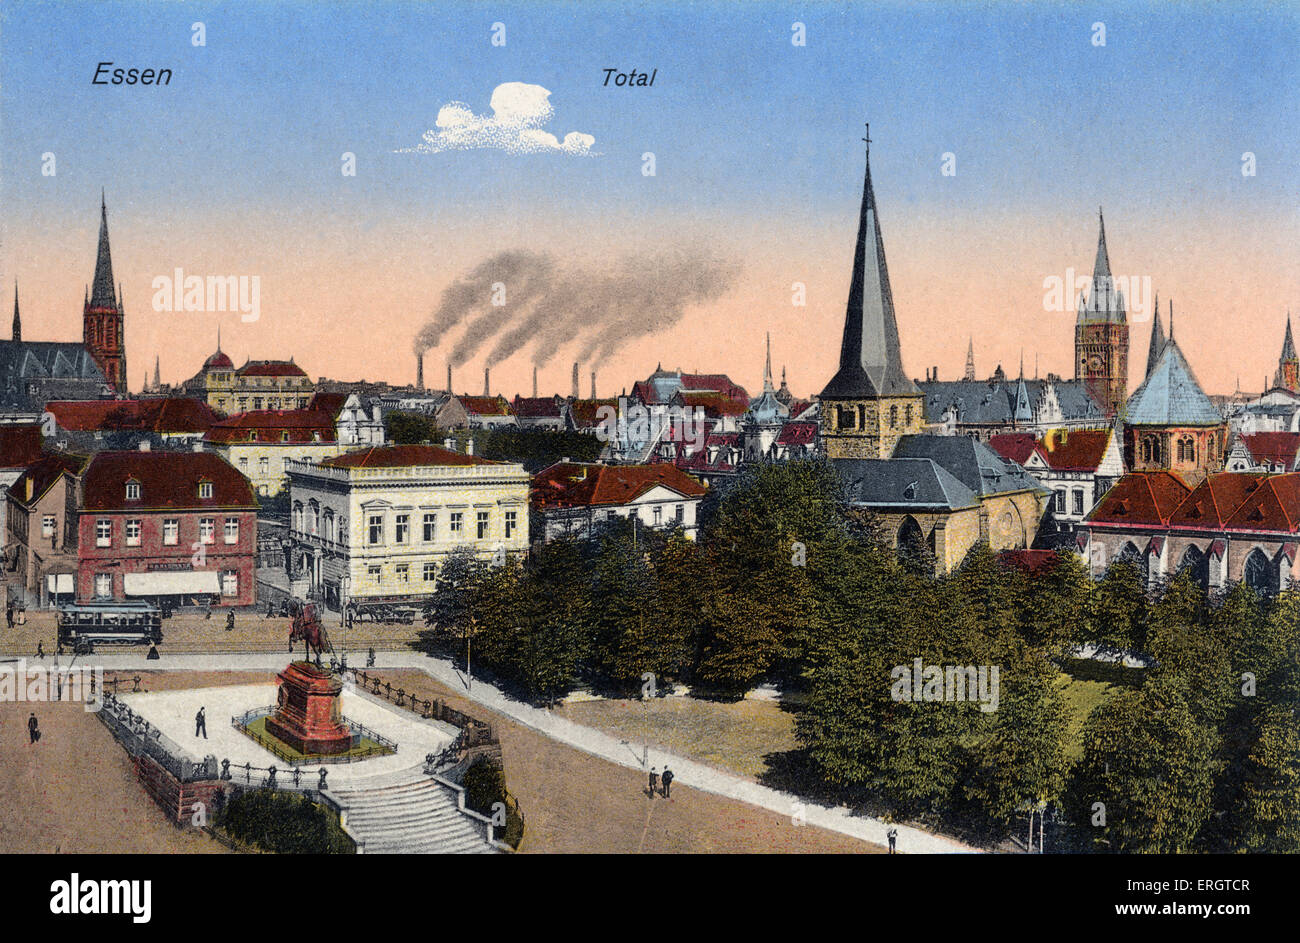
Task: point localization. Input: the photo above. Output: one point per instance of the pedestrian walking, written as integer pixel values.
(667, 780)
(33, 729)
(654, 781)
(201, 723)
(892, 835)
(370, 658)
(9, 615)
(40, 650)
(230, 620)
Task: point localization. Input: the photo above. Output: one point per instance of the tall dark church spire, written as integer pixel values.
(102, 293)
(871, 363)
(18, 322)
(103, 323)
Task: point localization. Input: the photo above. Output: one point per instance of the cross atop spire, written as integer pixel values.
(102, 294)
(870, 360)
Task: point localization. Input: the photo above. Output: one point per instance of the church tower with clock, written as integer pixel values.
(1101, 335)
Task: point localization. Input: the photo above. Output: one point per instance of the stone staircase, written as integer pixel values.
(409, 815)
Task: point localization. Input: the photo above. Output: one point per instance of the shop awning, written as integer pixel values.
(187, 582)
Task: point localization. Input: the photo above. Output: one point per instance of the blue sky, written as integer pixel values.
(749, 132)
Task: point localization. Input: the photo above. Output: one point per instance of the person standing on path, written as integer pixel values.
(892, 835)
(40, 650)
(654, 781)
(667, 780)
(9, 615)
(33, 729)
(201, 723)
(230, 619)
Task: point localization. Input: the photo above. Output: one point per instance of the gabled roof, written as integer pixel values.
(1075, 450)
(993, 402)
(20, 444)
(404, 456)
(44, 473)
(271, 426)
(970, 461)
(486, 405)
(1143, 498)
(797, 433)
(1170, 396)
(1273, 448)
(539, 407)
(271, 368)
(902, 484)
(584, 411)
(715, 405)
(1215, 500)
(328, 403)
(168, 481)
(578, 484)
(1273, 506)
(1015, 446)
(177, 414)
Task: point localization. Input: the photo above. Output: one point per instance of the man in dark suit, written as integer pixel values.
(201, 723)
(654, 781)
(667, 780)
(33, 729)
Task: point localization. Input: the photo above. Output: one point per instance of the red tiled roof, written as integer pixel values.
(1148, 498)
(1272, 448)
(20, 444)
(585, 411)
(45, 473)
(797, 433)
(572, 484)
(718, 383)
(485, 405)
(537, 407)
(1215, 500)
(176, 414)
(1074, 450)
(1014, 446)
(698, 461)
(331, 403)
(1273, 506)
(270, 426)
(168, 481)
(271, 368)
(218, 361)
(714, 404)
(404, 456)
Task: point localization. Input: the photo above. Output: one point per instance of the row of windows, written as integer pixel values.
(133, 490)
(845, 416)
(1152, 450)
(402, 573)
(376, 524)
(171, 528)
(229, 584)
(1058, 501)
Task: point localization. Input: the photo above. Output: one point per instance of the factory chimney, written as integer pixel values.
(534, 383)
(576, 393)
(448, 378)
(487, 383)
(419, 371)
(593, 384)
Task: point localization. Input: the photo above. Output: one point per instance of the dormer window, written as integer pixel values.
(133, 490)
(205, 490)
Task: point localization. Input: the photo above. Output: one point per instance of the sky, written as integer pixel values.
(235, 168)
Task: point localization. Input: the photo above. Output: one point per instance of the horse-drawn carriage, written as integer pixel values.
(381, 613)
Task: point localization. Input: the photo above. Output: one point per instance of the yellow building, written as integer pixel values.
(261, 443)
(257, 385)
(375, 525)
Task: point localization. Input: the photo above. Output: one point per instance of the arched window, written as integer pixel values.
(908, 415)
(1186, 449)
(893, 416)
(1146, 449)
(862, 417)
(1260, 573)
(1196, 564)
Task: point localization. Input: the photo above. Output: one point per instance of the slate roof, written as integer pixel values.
(903, 483)
(1170, 396)
(991, 402)
(24, 361)
(970, 461)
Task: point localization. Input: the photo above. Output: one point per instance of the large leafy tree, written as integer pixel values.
(1119, 610)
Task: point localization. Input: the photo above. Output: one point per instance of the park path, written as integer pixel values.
(623, 753)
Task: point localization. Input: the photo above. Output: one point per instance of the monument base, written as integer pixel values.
(308, 717)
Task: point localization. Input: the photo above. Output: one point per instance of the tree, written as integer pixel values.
(407, 428)
(1267, 817)
(1119, 610)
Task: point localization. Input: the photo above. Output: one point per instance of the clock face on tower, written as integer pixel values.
(1095, 364)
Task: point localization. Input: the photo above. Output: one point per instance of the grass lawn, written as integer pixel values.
(366, 747)
(1085, 685)
(736, 737)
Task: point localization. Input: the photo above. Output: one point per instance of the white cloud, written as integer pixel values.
(520, 113)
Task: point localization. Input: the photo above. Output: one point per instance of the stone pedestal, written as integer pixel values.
(309, 718)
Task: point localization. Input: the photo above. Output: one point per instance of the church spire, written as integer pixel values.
(970, 359)
(1101, 268)
(1288, 345)
(157, 379)
(1157, 339)
(870, 360)
(18, 322)
(767, 367)
(102, 293)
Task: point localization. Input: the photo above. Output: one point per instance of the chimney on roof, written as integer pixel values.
(487, 382)
(419, 371)
(30, 486)
(593, 384)
(576, 393)
(534, 382)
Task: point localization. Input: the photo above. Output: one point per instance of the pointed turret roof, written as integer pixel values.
(1104, 302)
(871, 363)
(1157, 339)
(1171, 396)
(1288, 345)
(102, 293)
